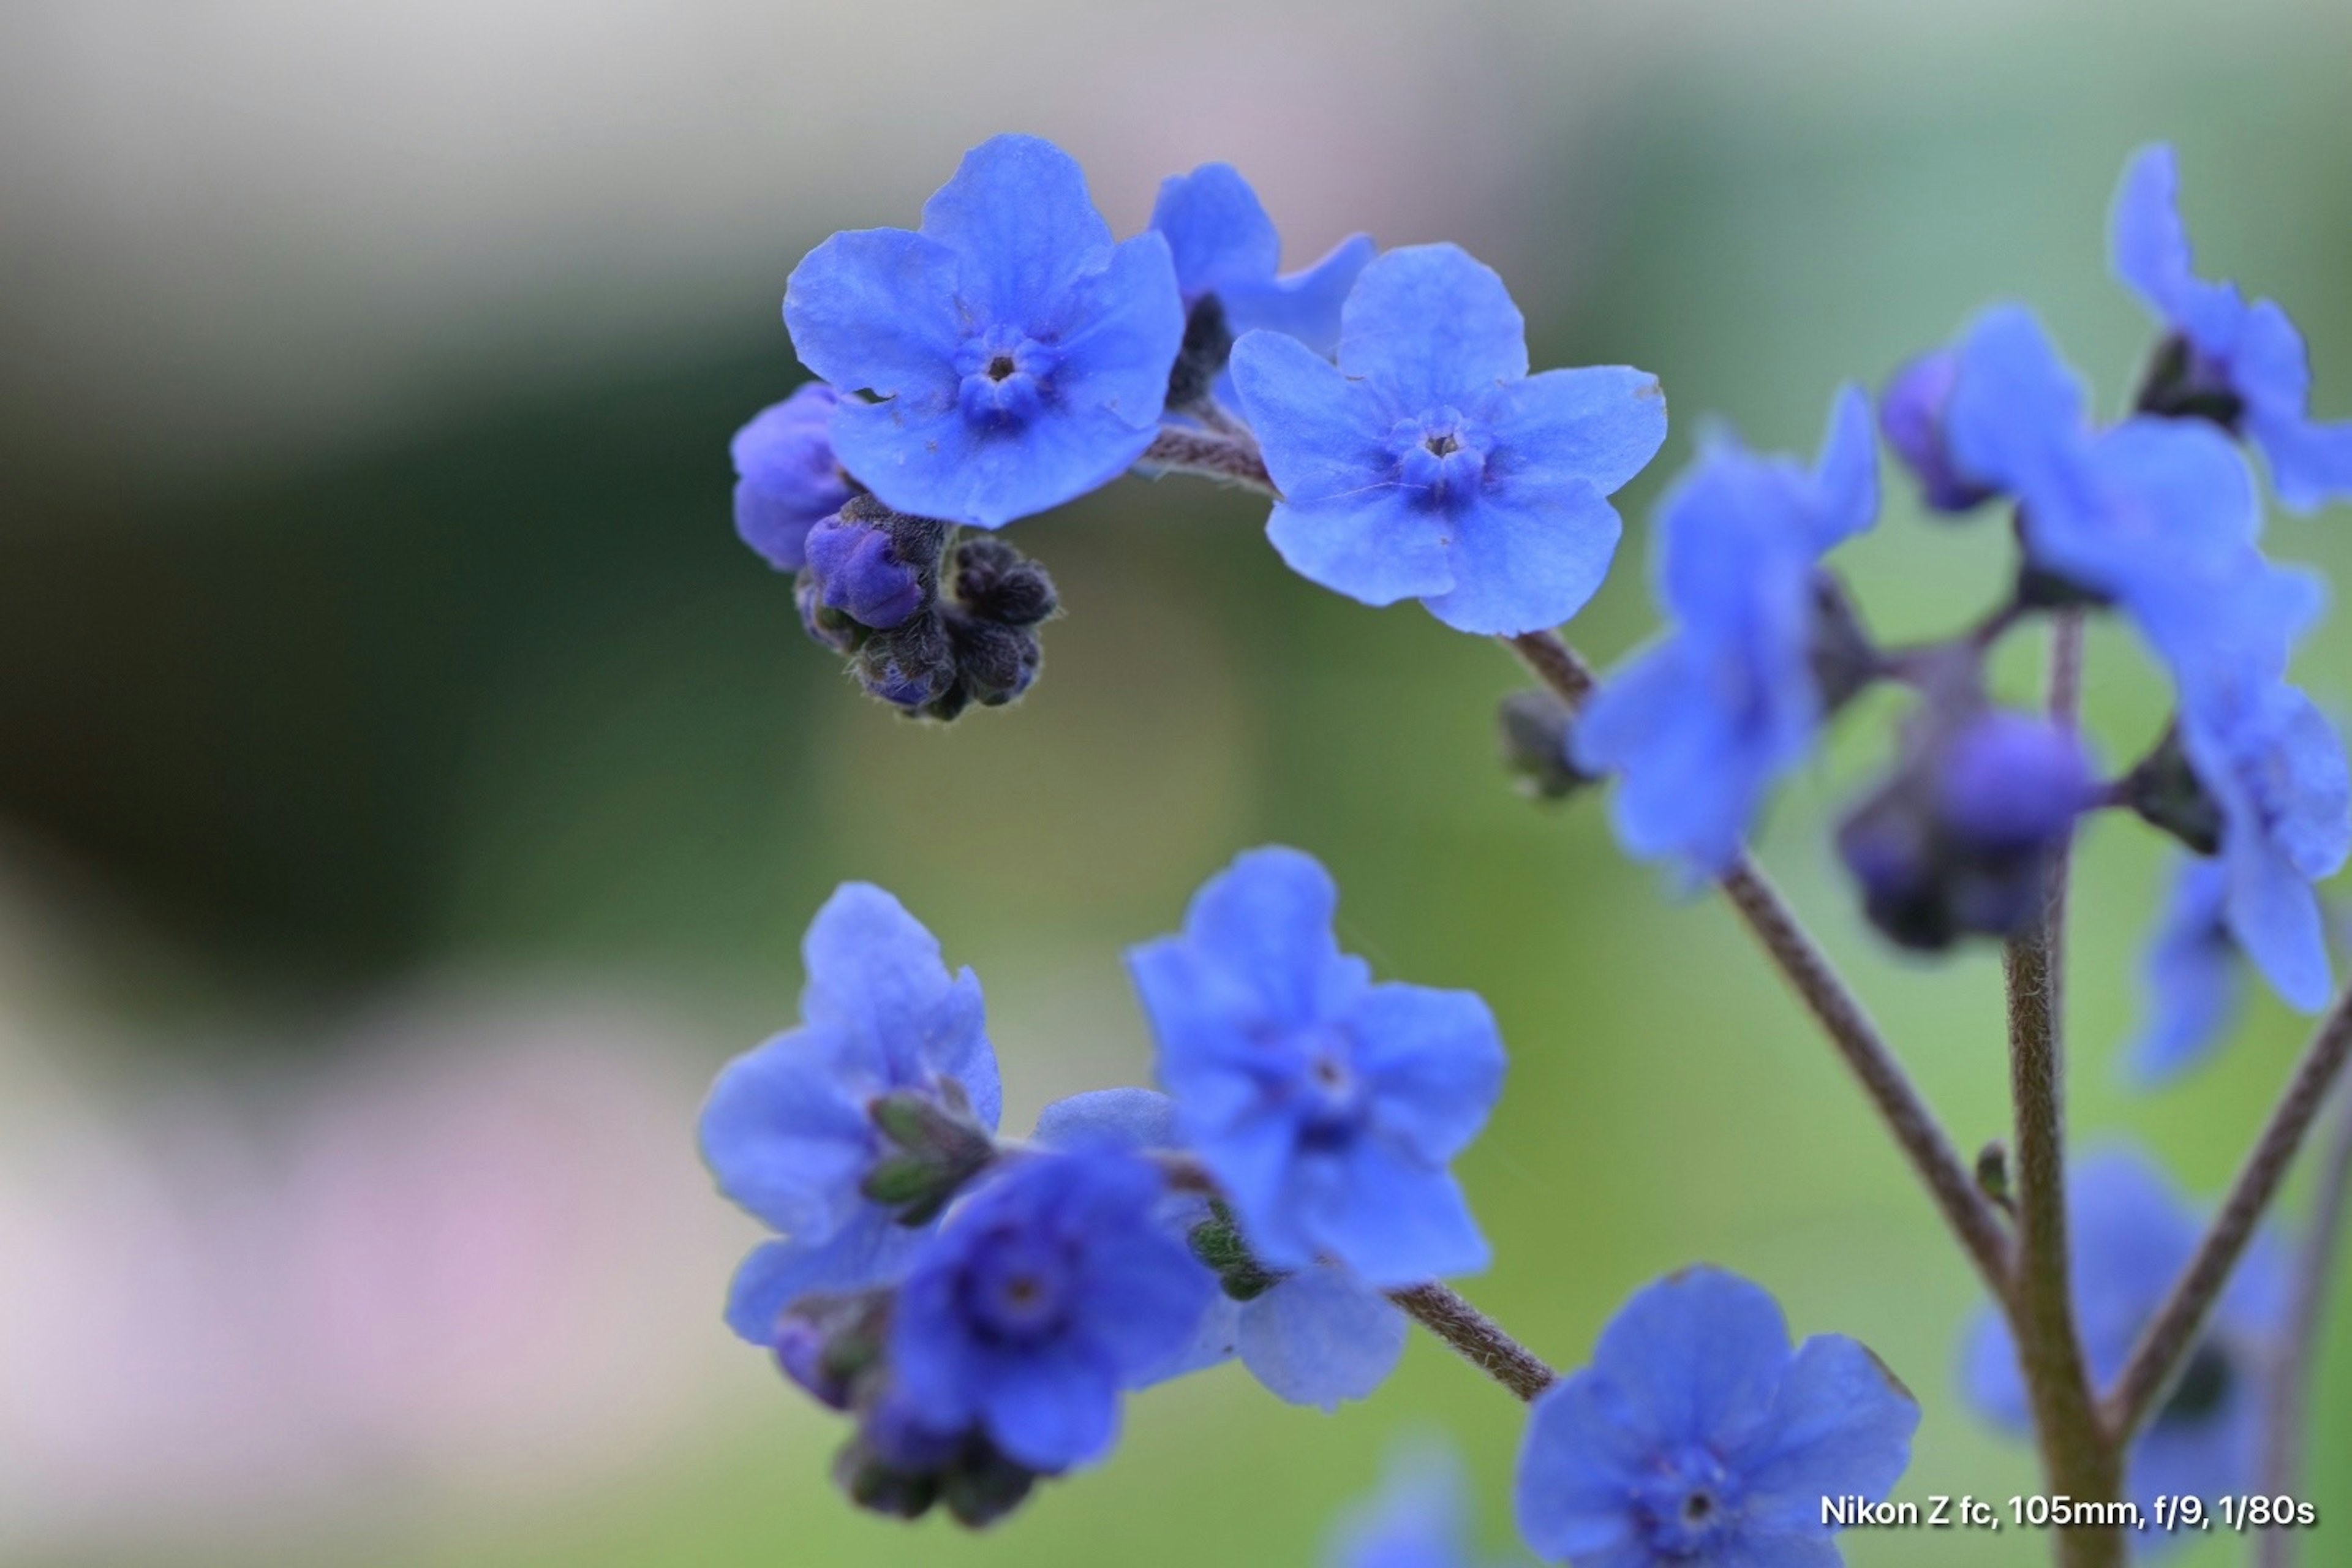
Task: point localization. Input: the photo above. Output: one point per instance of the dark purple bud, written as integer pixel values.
(911, 667)
(859, 560)
(997, 583)
(786, 477)
(801, 1354)
(997, 662)
(2010, 782)
(1911, 415)
(897, 1434)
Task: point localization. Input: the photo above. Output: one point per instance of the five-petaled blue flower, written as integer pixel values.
(1698, 1437)
(1018, 357)
(2130, 1235)
(1318, 1336)
(1327, 1107)
(787, 1130)
(2194, 976)
(1225, 246)
(1705, 721)
(1430, 465)
(1044, 1294)
(2244, 361)
(1419, 1519)
(786, 478)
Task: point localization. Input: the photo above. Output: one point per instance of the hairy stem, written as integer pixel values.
(1232, 458)
(2165, 1343)
(1833, 1006)
(1478, 1338)
(2286, 1422)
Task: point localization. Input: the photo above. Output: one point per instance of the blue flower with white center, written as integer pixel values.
(2147, 513)
(1698, 1438)
(1704, 722)
(789, 1130)
(2129, 1235)
(2241, 364)
(2193, 975)
(1329, 1108)
(1419, 1519)
(1225, 245)
(1317, 1337)
(1016, 356)
(2276, 769)
(786, 479)
(1429, 465)
(1044, 1294)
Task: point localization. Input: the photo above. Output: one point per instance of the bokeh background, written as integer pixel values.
(410, 792)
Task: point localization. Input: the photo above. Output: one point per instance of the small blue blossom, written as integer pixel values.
(2276, 768)
(785, 476)
(788, 1131)
(2130, 1235)
(1046, 1292)
(1430, 465)
(1225, 246)
(1419, 1519)
(1704, 722)
(1018, 357)
(1329, 1108)
(1698, 1437)
(2244, 361)
(1318, 1336)
(2194, 976)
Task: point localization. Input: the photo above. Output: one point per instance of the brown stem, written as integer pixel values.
(2286, 1423)
(2165, 1343)
(1233, 458)
(1479, 1340)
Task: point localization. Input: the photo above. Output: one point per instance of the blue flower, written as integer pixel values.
(1429, 465)
(788, 1131)
(1018, 357)
(1698, 1437)
(1911, 415)
(1225, 246)
(1044, 1294)
(785, 476)
(2147, 513)
(1419, 1519)
(2276, 768)
(2129, 1237)
(2194, 976)
(2241, 364)
(1327, 1107)
(1317, 1337)
(1704, 722)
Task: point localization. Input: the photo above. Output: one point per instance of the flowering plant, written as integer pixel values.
(979, 1307)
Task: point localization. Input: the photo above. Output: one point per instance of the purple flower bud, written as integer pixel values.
(1911, 415)
(858, 559)
(801, 1354)
(2012, 783)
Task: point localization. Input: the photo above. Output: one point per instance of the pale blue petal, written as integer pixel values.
(2015, 409)
(1217, 230)
(1525, 559)
(874, 309)
(2310, 463)
(2149, 243)
(872, 1250)
(876, 972)
(1018, 218)
(1215, 1341)
(1434, 1060)
(935, 463)
(1700, 1356)
(1269, 913)
(1845, 476)
(1842, 1426)
(1585, 1452)
(1601, 424)
(785, 1134)
(1137, 1119)
(1119, 331)
(1305, 304)
(1320, 1337)
(1396, 1223)
(1432, 325)
(2275, 917)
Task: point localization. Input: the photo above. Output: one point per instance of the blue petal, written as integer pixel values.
(1600, 425)
(1215, 1341)
(1583, 1457)
(874, 309)
(1053, 1412)
(2016, 412)
(1430, 325)
(1419, 1520)
(787, 478)
(873, 1249)
(874, 971)
(1306, 304)
(1990, 1377)
(2275, 917)
(1527, 558)
(1135, 1119)
(1217, 230)
(2310, 463)
(1147, 1293)
(1845, 501)
(2149, 243)
(1119, 329)
(1433, 1061)
(2194, 977)
(2130, 1235)
(1018, 218)
(1269, 914)
(1842, 1426)
(1392, 1220)
(1700, 1356)
(785, 1134)
(1321, 1336)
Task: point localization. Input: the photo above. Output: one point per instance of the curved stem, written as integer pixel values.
(1833, 1006)
(1232, 458)
(1479, 1340)
(2165, 1343)
(2287, 1421)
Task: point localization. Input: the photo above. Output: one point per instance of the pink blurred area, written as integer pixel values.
(477, 1257)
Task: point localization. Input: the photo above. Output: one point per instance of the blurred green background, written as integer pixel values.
(410, 791)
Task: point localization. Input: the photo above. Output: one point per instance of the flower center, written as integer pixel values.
(999, 367)
(1442, 452)
(1007, 377)
(1017, 1288)
(1688, 1503)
